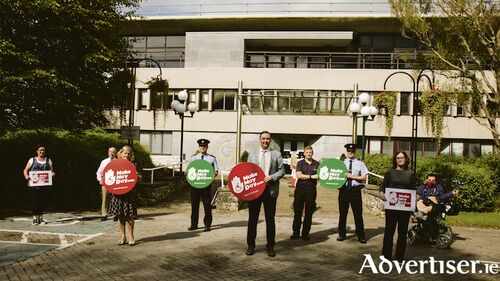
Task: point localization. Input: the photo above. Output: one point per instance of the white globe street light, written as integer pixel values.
(180, 108)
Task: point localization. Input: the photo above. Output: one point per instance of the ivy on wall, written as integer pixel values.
(158, 88)
(387, 101)
(434, 104)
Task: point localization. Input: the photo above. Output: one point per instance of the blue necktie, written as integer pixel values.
(202, 156)
(349, 181)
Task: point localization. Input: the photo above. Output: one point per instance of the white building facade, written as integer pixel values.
(289, 67)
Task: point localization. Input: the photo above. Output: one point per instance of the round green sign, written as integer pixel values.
(199, 173)
(331, 173)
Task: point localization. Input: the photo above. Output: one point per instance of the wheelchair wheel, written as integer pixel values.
(443, 241)
(411, 237)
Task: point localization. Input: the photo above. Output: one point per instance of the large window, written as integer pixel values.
(157, 142)
(405, 104)
(224, 99)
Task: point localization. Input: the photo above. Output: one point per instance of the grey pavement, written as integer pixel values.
(167, 251)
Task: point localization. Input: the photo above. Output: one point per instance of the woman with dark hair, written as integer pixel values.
(397, 177)
(38, 163)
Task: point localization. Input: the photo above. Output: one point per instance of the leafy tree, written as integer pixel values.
(464, 40)
(58, 60)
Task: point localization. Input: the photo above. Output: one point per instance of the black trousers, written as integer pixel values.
(38, 198)
(253, 218)
(307, 197)
(400, 219)
(205, 195)
(351, 197)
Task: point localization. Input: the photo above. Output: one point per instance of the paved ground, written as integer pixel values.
(167, 251)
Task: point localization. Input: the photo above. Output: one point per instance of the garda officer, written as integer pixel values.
(203, 193)
(350, 194)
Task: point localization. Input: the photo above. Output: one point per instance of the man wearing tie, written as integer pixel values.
(203, 193)
(350, 193)
(272, 164)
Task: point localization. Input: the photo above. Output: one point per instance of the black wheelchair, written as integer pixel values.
(431, 227)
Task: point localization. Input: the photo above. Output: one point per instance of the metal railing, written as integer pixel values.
(329, 60)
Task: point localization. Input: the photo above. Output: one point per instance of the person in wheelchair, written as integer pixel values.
(431, 196)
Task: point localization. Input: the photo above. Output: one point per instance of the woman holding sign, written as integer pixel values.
(39, 181)
(123, 206)
(399, 178)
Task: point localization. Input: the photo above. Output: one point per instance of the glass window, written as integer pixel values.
(404, 146)
(274, 61)
(176, 41)
(204, 96)
(323, 101)
(429, 148)
(318, 62)
(156, 42)
(224, 99)
(374, 146)
(156, 143)
(285, 100)
(287, 145)
(218, 99)
(256, 61)
(383, 43)
(230, 100)
(457, 149)
(308, 103)
(474, 149)
(486, 149)
(144, 99)
(255, 101)
(302, 62)
(137, 42)
(167, 143)
(144, 140)
(405, 104)
(445, 148)
(388, 147)
(290, 61)
(269, 100)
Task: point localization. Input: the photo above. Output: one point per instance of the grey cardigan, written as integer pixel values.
(276, 170)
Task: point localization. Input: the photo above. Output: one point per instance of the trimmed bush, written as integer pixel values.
(378, 164)
(480, 176)
(75, 157)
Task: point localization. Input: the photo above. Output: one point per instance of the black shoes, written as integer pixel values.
(306, 237)
(341, 238)
(191, 228)
(115, 218)
(250, 251)
(207, 228)
(294, 237)
(270, 252)
(103, 218)
(362, 240)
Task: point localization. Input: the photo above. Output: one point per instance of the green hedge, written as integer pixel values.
(480, 176)
(75, 157)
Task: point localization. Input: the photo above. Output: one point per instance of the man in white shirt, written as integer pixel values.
(104, 192)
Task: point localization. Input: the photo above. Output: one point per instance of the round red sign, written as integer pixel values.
(119, 176)
(246, 181)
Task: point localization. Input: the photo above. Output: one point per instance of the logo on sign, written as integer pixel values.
(40, 178)
(246, 181)
(200, 173)
(399, 198)
(120, 176)
(237, 185)
(109, 177)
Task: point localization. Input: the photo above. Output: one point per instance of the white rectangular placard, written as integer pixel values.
(40, 178)
(400, 199)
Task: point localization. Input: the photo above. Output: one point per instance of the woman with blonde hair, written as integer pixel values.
(124, 206)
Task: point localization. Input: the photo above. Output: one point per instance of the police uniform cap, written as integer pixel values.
(350, 146)
(203, 142)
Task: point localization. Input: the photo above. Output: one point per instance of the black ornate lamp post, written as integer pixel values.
(366, 111)
(415, 109)
(180, 108)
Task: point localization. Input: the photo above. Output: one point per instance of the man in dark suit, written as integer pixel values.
(272, 164)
